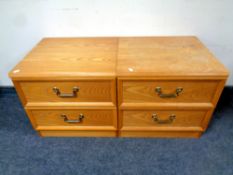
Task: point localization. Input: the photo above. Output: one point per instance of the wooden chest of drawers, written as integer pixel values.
(68, 86)
(127, 87)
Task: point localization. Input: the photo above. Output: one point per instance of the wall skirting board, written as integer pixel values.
(225, 101)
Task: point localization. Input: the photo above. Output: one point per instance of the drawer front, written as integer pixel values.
(168, 91)
(77, 91)
(74, 118)
(156, 118)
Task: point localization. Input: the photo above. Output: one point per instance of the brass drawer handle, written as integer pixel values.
(158, 90)
(59, 94)
(171, 118)
(79, 120)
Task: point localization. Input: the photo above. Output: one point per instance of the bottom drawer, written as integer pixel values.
(161, 120)
(51, 120)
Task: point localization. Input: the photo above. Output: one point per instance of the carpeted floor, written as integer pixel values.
(22, 151)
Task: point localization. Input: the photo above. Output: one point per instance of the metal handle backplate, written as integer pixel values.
(178, 90)
(65, 95)
(79, 120)
(170, 119)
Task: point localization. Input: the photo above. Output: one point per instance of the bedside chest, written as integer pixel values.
(167, 86)
(126, 87)
(68, 86)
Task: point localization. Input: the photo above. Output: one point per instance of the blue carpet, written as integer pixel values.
(22, 151)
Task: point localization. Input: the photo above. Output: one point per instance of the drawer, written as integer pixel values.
(168, 91)
(80, 119)
(150, 119)
(76, 91)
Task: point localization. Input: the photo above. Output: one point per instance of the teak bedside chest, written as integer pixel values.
(126, 87)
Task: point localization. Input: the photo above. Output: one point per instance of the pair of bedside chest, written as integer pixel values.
(124, 86)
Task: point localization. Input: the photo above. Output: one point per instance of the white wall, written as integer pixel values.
(24, 22)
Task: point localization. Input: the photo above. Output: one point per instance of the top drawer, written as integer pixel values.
(154, 91)
(69, 91)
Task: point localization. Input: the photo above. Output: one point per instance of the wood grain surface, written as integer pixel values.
(166, 57)
(141, 118)
(64, 58)
(89, 91)
(117, 78)
(193, 91)
(91, 117)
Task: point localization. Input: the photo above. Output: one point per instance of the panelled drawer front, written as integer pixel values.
(168, 91)
(74, 117)
(157, 118)
(86, 91)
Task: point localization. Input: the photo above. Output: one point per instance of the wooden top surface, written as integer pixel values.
(166, 56)
(69, 57)
(62, 58)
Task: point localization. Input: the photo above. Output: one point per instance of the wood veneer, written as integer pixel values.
(117, 79)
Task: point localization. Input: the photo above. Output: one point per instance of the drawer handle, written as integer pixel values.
(158, 90)
(59, 94)
(171, 118)
(79, 120)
